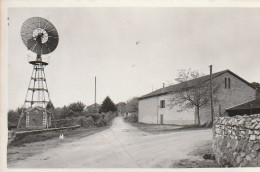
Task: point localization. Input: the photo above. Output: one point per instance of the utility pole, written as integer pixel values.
(211, 95)
(95, 93)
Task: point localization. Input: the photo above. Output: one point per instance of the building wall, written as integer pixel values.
(150, 112)
(238, 93)
(172, 115)
(147, 110)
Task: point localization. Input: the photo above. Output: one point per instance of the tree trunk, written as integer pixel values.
(198, 114)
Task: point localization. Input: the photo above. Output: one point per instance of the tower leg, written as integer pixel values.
(37, 98)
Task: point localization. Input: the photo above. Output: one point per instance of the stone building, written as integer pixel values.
(233, 90)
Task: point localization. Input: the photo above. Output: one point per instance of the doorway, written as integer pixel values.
(161, 119)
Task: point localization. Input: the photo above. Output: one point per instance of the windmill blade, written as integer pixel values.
(46, 49)
(34, 26)
(30, 43)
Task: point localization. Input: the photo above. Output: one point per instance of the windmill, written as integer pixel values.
(41, 38)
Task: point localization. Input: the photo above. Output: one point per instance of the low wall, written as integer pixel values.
(14, 135)
(237, 141)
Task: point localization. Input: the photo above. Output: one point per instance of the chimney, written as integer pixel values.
(257, 94)
(163, 85)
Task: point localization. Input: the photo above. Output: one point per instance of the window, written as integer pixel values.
(227, 83)
(162, 104)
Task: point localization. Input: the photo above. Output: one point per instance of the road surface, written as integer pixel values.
(120, 146)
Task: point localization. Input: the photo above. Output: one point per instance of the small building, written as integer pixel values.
(247, 108)
(233, 90)
(37, 118)
(94, 108)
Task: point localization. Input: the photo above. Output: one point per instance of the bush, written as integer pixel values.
(132, 118)
(76, 107)
(62, 123)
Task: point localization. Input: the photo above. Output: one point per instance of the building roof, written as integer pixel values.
(180, 86)
(253, 104)
(37, 108)
(93, 106)
(251, 107)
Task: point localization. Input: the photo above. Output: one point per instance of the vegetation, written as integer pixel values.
(132, 105)
(73, 114)
(108, 105)
(77, 107)
(196, 95)
(256, 84)
(132, 118)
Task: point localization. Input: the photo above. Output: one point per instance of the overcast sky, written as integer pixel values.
(133, 50)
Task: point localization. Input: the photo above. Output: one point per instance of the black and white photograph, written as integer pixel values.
(132, 87)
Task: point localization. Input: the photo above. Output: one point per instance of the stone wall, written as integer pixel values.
(237, 141)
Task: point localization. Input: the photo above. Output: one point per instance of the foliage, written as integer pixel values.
(132, 118)
(77, 107)
(14, 115)
(108, 105)
(50, 106)
(256, 84)
(193, 95)
(121, 107)
(132, 105)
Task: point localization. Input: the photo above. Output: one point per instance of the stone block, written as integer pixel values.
(256, 146)
(252, 137)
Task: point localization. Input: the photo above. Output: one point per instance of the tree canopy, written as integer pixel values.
(196, 96)
(108, 105)
(76, 107)
(132, 105)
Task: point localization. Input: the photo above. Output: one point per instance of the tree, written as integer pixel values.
(132, 105)
(108, 105)
(195, 93)
(256, 84)
(77, 107)
(50, 106)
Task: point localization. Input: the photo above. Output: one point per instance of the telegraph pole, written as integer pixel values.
(211, 95)
(95, 93)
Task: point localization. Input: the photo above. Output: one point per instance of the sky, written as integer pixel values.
(132, 51)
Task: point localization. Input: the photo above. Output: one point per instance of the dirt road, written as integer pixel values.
(122, 145)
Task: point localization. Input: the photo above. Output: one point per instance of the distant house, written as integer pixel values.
(94, 108)
(154, 109)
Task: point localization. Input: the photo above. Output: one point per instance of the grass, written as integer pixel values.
(166, 128)
(198, 161)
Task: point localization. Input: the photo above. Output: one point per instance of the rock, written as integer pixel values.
(256, 147)
(209, 156)
(248, 158)
(238, 160)
(252, 155)
(252, 137)
(242, 154)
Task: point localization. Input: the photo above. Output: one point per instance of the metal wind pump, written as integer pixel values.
(40, 37)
